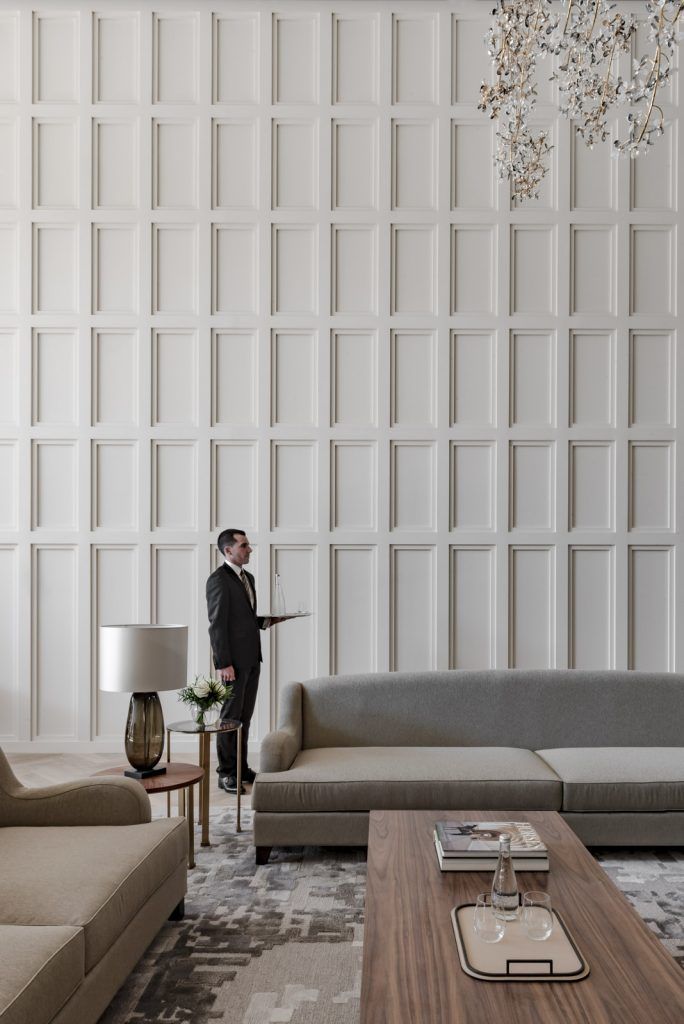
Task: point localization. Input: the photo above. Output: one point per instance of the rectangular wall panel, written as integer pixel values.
(413, 379)
(55, 378)
(353, 586)
(354, 260)
(55, 163)
(115, 164)
(234, 406)
(294, 378)
(115, 268)
(295, 58)
(175, 371)
(235, 64)
(651, 272)
(354, 485)
(533, 269)
(116, 57)
(293, 485)
(174, 164)
(472, 169)
(651, 485)
(114, 485)
(293, 649)
(55, 57)
(533, 379)
(234, 484)
(652, 378)
(354, 165)
(54, 485)
(234, 269)
(532, 490)
(294, 165)
(355, 57)
(114, 378)
(9, 167)
(353, 378)
(415, 61)
(114, 600)
(592, 485)
(531, 607)
(470, 65)
(174, 485)
(174, 268)
(9, 57)
(54, 641)
(9, 491)
(591, 636)
(472, 607)
(593, 378)
(414, 164)
(294, 270)
(175, 597)
(9, 383)
(593, 175)
(413, 622)
(592, 269)
(651, 609)
(412, 485)
(9, 640)
(473, 378)
(653, 182)
(414, 269)
(473, 282)
(175, 57)
(234, 164)
(9, 299)
(55, 268)
(473, 485)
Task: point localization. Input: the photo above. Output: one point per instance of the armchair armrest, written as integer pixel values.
(279, 748)
(97, 801)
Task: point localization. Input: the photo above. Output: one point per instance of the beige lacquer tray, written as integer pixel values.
(517, 957)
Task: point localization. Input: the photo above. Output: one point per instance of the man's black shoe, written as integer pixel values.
(229, 784)
(249, 775)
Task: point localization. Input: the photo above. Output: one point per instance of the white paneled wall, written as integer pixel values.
(256, 271)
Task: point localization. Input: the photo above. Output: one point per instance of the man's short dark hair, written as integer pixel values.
(226, 538)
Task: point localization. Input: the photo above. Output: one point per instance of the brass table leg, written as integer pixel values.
(204, 764)
(181, 803)
(168, 758)
(191, 827)
(239, 775)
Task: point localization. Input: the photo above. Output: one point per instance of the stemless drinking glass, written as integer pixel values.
(487, 927)
(537, 918)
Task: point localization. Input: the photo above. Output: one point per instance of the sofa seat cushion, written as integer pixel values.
(40, 970)
(619, 778)
(95, 877)
(403, 778)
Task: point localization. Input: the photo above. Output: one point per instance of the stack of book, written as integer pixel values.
(474, 845)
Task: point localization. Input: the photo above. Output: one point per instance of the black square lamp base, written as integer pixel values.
(147, 773)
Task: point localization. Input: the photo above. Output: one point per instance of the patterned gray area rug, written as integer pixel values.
(281, 944)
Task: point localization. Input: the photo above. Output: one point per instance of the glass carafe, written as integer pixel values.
(504, 884)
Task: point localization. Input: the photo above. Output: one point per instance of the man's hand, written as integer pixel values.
(226, 675)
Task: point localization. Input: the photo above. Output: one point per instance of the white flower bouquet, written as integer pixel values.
(204, 696)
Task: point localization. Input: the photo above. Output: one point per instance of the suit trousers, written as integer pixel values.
(241, 708)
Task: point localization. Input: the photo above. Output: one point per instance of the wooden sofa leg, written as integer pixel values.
(262, 854)
(178, 912)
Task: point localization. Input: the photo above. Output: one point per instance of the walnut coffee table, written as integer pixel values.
(411, 970)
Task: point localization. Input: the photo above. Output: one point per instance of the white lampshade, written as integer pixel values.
(143, 659)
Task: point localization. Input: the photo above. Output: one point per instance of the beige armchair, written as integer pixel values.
(104, 801)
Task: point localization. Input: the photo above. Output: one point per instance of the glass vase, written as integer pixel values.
(206, 716)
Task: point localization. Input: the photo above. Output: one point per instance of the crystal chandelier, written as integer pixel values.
(586, 41)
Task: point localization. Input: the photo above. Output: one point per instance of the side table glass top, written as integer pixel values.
(229, 725)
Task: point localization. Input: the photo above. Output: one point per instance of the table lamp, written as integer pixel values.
(141, 660)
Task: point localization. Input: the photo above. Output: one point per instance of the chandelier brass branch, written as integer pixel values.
(585, 46)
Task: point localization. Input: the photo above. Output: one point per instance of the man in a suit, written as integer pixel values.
(236, 645)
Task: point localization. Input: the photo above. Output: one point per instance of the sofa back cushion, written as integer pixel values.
(535, 709)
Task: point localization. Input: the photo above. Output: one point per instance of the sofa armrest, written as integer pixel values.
(279, 748)
(105, 801)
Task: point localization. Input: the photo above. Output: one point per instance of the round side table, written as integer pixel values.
(176, 777)
(205, 732)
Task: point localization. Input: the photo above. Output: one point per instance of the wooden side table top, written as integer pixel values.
(176, 776)
(411, 969)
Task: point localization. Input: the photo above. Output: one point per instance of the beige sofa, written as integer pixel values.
(603, 748)
(86, 881)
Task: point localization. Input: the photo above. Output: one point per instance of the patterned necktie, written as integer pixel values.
(248, 589)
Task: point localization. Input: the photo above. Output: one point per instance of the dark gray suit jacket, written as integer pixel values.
(233, 624)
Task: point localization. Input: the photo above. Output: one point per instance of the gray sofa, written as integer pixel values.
(86, 881)
(605, 749)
